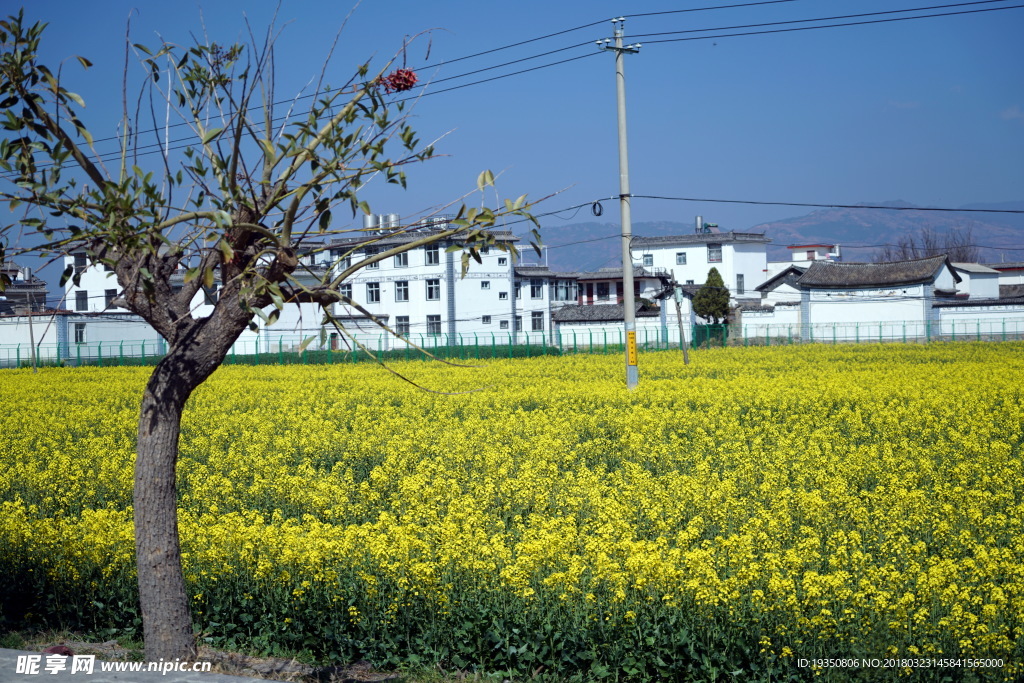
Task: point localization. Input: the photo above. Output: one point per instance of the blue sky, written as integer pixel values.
(930, 111)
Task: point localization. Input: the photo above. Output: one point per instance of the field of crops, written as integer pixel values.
(752, 509)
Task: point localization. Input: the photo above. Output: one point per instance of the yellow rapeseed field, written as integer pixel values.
(755, 508)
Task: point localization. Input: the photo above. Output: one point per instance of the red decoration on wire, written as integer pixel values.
(399, 80)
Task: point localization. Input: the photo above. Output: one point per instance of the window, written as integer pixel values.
(485, 284)
(81, 300)
(433, 324)
(107, 268)
(402, 260)
(536, 289)
(372, 251)
(502, 261)
(402, 290)
(339, 256)
(739, 283)
(485, 250)
(503, 324)
(109, 295)
(689, 282)
(80, 263)
(502, 295)
(680, 258)
(373, 292)
(486, 320)
(402, 324)
(602, 290)
(810, 254)
(648, 260)
(209, 296)
(565, 290)
(79, 333)
(433, 255)
(433, 290)
(346, 290)
(537, 321)
(714, 252)
(519, 323)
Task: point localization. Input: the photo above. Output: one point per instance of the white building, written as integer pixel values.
(740, 257)
(849, 295)
(801, 255)
(421, 292)
(977, 281)
(99, 320)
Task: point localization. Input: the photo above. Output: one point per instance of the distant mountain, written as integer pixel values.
(860, 232)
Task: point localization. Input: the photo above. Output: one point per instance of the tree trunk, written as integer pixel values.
(166, 617)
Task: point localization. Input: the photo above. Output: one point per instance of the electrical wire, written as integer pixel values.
(828, 206)
(804, 21)
(705, 9)
(841, 25)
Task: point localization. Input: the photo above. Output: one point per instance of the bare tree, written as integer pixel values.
(239, 205)
(957, 244)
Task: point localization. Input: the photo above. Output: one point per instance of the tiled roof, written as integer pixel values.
(576, 313)
(544, 271)
(975, 268)
(788, 276)
(831, 274)
(1011, 291)
(699, 238)
(615, 274)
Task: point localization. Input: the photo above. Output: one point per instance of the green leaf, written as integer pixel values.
(484, 179)
(85, 62)
(226, 251)
(306, 342)
(143, 48)
(325, 220)
(75, 97)
(208, 277)
(211, 134)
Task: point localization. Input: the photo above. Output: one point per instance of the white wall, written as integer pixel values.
(784, 321)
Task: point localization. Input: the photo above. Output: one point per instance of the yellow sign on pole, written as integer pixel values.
(631, 347)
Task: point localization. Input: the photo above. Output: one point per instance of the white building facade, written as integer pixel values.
(741, 258)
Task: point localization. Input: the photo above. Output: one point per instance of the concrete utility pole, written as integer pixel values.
(628, 297)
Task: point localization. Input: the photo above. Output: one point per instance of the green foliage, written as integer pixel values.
(712, 300)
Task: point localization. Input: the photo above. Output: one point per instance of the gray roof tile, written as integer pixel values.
(832, 274)
(576, 313)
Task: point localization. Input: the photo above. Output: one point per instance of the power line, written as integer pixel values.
(509, 46)
(189, 142)
(704, 9)
(804, 21)
(845, 24)
(828, 206)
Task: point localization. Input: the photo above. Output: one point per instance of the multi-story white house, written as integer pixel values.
(740, 257)
(94, 299)
(422, 291)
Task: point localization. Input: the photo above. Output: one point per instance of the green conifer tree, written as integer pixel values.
(711, 301)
